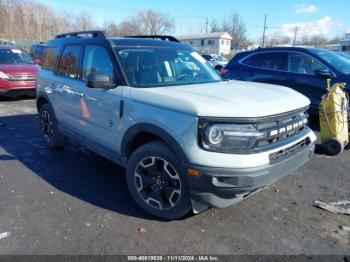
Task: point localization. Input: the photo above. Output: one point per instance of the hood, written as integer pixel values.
(223, 99)
(11, 69)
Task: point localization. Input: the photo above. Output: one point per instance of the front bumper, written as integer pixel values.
(222, 187)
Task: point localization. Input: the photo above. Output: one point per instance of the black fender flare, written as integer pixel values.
(42, 95)
(137, 129)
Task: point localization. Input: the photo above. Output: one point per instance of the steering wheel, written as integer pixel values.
(183, 77)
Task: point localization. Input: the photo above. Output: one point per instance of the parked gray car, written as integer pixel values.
(188, 139)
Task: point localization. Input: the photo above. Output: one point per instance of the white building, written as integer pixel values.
(218, 43)
(345, 43)
(333, 47)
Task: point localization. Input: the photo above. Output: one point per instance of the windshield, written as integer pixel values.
(221, 58)
(165, 66)
(14, 56)
(341, 63)
(208, 58)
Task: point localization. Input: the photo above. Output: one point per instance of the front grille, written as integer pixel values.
(288, 152)
(275, 131)
(22, 78)
(282, 127)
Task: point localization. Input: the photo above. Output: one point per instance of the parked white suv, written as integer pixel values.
(187, 139)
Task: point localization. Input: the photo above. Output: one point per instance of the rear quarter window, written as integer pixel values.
(50, 58)
(39, 51)
(268, 60)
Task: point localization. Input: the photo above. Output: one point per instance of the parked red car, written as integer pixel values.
(17, 71)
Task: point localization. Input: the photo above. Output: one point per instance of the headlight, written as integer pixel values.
(229, 138)
(3, 75)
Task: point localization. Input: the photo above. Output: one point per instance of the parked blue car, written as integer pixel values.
(302, 69)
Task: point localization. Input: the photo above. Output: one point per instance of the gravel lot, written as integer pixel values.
(72, 201)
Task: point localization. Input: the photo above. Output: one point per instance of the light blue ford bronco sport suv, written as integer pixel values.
(188, 139)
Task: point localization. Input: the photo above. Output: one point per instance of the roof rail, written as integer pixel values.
(161, 37)
(93, 33)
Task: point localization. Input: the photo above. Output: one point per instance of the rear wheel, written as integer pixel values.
(48, 125)
(157, 183)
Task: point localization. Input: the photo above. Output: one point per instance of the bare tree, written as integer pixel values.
(112, 28)
(316, 40)
(147, 22)
(26, 19)
(235, 26)
(215, 26)
(154, 23)
(84, 22)
(129, 27)
(276, 40)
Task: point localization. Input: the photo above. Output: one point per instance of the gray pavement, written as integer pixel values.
(72, 201)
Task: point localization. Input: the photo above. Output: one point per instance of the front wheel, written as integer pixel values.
(157, 183)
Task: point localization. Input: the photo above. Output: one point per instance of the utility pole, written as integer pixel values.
(206, 25)
(295, 35)
(105, 25)
(264, 32)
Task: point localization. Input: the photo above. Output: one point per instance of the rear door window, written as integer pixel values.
(303, 64)
(268, 60)
(32, 50)
(39, 51)
(69, 62)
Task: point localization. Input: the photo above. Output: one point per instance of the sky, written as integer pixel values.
(330, 18)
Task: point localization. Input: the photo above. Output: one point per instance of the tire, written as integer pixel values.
(218, 68)
(333, 147)
(157, 182)
(48, 126)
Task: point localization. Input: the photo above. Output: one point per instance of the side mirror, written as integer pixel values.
(96, 80)
(37, 61)
(325, 73)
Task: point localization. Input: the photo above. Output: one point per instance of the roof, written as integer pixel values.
(225, 35)
(281, 49)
